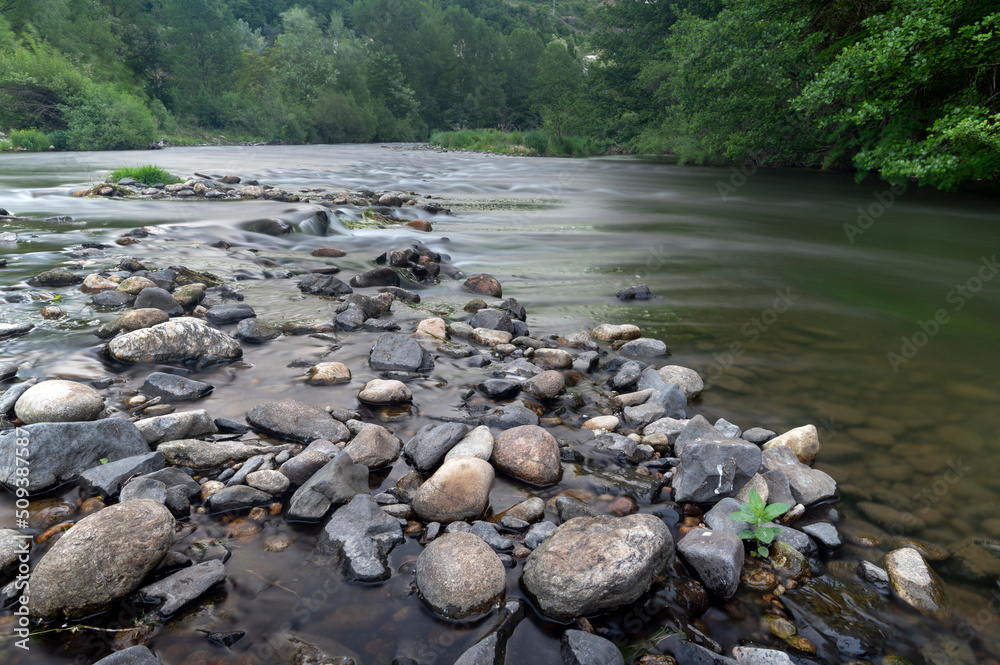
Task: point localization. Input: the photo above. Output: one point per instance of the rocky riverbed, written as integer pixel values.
(142, 498)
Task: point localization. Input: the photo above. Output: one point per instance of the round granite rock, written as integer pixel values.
(58, 401)
(460, 577)
(529, 453)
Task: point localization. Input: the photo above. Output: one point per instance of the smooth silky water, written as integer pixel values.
(790, 317)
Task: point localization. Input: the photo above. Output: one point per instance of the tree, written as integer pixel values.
(556, 87)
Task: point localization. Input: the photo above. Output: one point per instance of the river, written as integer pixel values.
(801, 297)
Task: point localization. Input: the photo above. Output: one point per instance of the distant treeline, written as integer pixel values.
(903, 88)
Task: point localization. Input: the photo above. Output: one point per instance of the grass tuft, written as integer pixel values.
(148, 174)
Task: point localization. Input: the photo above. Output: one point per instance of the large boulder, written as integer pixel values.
(100, 560)
(297, 421)
(59, 452)
(459, 490)
(363, 536)
(594, 564)
(711, 471)
(529, 453)
(58, 401)
(180, 340)
(459, 576)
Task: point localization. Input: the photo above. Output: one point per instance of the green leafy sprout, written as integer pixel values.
(755, 512)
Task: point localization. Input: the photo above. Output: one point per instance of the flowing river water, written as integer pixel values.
(791, 318)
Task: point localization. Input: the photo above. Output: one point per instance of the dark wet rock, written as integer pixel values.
(137, 319)
(844, 613)
(112, 300)
(376, 277)
(301, 468)
(459, 490)
(323, 285)
(59, 401)
(15, 329)
(229, 313)
(492, 319)
(626, 375)
(55, 277)
(59, 452)
(488, 532)
(173, 387)
(582, 648)
(709, 472)
(528, 453)
(546, 385)
(400, 294)
(514, 308)
(717, 518)
(716, 557)
(363, 536)
(567, 508)
(593, 564)
(916, 583)
(395, 352)
(100, 560)
(689, 653)
(538, 533)
(177, 590)
(237, 498)
(459, 576)
(728, 429)
(137, 655)
(484, 285)
(297, 421)
(175, 478)
(230, 426)
(808, 485)
(180, 340)
(175, 426)
(778, 490)
(144, 488)
(974, 559)
(339, 481)
(107, 479)
(8, 371)
(156, 298)
(637, 292)
(758, 435)
(499, 388)
(198, 454)
(255, 331)
(351, 319)
(431, 443)
(374, 446)
(824, 533)
(10, 396)
(795, 538)
(644, 347)
(874, 575)
(492, 649)
(700, 430)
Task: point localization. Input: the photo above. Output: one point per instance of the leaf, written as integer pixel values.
(742, 516)
(104, 460)
(746, 534)
(756, 503)
(763, 551)
(766, 534)
(775, 510)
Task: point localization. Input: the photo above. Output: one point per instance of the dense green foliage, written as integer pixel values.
(147, 174)
(903, 88)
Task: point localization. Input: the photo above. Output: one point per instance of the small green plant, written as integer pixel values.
(148, 174)
(104, 460)
(536, 141)
(31, 140)
(756, 513)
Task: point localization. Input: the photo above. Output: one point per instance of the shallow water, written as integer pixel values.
(789, 316)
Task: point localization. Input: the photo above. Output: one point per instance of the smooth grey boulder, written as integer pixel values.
(175, 426)
(823, 533)
(363, 536)
(492, 649)
(594, 564)
(137, 655)
(511, 415)
(374, 446)
(700, 430)
(728, 429)
(172, 387)
(8, 370)
(808, 485)
(135, 319)
(229, 313)
(339, 481)
(60, 452)
(758, 435)
(236, 498)
(154, 297)
(644, 347)
(528, 452)
(688, 379)
(180, 340)
(144, 488)
(59, 401)
(582, 648)
(10, 396)
(198, 454)
(709, 472)
(402, 353)
(100, 560)
(177, 590)
(112, 300)
(107, 479)
(627, 374)
(427, 448)
(292, 420)
(300, 468)
(716, 557)
(459, 576)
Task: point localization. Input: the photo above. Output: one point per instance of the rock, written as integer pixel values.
(174, 426)
(488, 337)
(12, 545)
(459, 490)
(395, 352)
(14, 329)
(808, 485)
(594, 564)
(804, 442)
(477, 443)
(552, 359)
(59, 452)
(135, 285)
(55, 277)
(685, 652)
(107, 479)
(688, 379)
(916, 583)
(229, 313)
(237, 498)
(363, 536)
(530, 510)
(179, 340)
(492, 649)
(177, 590)
(431, 329)
(756, 484)
(728, 429)
(459, 576)
(328, 374)
(567, 507)
(292, 420)
(378, 391)
(172, 387)
(156, 298)
(189, 295)
(874, 575)
(637, 292)
(268, 480)
(113, 300)
(328, 252)
(492, 319)
(144, 488)
(323, 285)
(499, 389)
(96, 284)
(137, 655)
(374, 446)
(100, 560)
(8, 371)
(339, 481)
(758, 435)
(538, 533)
(608, 331)
(717, 518)
(10, 396)
(528, 453)
(974, 559)
(135, 320)
(546, 385)
(644, 347)
(484, 285)
(431, 443)
(198, 454)
(581, 648)
(376, 277)
(716, 557)
(59, 401)
(844, 612)
(256, 331)
(511, 415)
(824, 533)
(778, 490)
(602, 423)
(758, 656)
(710, 471)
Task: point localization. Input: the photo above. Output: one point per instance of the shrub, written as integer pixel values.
(103, 118)
(536, 141)
(147, 174)
(31, 140)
